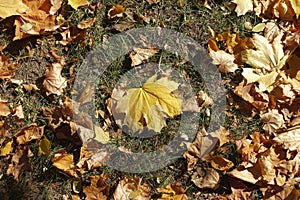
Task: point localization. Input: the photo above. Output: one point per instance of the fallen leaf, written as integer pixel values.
(18, 112)
(65, 162)
(266, 56)
(259, 27)
(29, 133)
(139, 55)
(224, 60)
(172, 192)
(10, 8)
(148, 105)
(273, 121)
(243, 6)
(7, 69)
(44, 146)
(54, 83)
(209, 179)
(101, 135)
(290, 139)
(296, 6)
(7, 149)
(77, 3)
(220, 163)
(132, 188)
(19, 161)
(98, 188)
(116, 11)
(4, 109)
(86, 23)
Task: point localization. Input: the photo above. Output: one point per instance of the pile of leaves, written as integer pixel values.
(262, 73)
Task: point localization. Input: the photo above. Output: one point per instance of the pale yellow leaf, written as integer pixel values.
(259, 27)
(267, 55)
(11, 7)
(7, 149)
(243, 6)
(77, 3)
(224, 60)
(296, 6)
(101, 135)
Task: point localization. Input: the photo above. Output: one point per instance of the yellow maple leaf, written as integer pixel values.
(149, 104)
(12, 7)
(77, 3)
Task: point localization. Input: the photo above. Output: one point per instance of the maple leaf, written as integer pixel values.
(147, 105)
(266, 56)
(243, 6)
(273, 120)
(29, 133)
(12, 7)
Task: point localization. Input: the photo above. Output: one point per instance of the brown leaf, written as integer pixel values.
(65, 162)
(7, 69)
(4, 109)
(201, 146)
(73, 35)
(54, 83)
(116, 11)
(19, 161)
(220, 163)
(290, 139)
(84, 24)
(273, 121)
(172, 192)
(224, 60)
(29, 133)
(132, 188)
(98, 188)
(208, 179)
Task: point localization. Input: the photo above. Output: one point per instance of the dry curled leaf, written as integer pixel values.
(29, 133)
(172, 192)
(19, 161)
(7, 69)
(206, 179)
(132, 188)
(54, 83)
(98, 188)
(116, 11)
(65, 162)
(4, 109)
